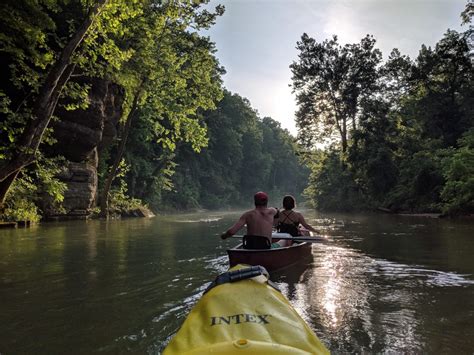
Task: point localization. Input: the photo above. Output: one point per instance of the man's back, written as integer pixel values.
(260, 221)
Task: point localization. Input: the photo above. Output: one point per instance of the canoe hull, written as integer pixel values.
(271, 259)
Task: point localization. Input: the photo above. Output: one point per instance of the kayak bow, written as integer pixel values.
(243, 314)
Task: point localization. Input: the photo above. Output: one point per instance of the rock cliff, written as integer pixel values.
(80, 134)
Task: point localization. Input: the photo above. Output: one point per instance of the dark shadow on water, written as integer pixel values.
(292, 275)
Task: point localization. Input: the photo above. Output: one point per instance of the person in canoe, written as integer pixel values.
(259, 223)
(290, 221)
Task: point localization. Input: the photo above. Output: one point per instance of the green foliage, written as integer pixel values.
(46, 172)
(245, 154)
(171, 75)
(397, 135)
(372, 156)
(458, 170)
(42, 45)
(120, 202)
(32, 37)
(287, 174)
(36, 190)
(441, 90)
(151, 48)
(331, 185)
(151, 166)
(419, 185)
(19, 205)
(405, 150)
(329, 81)
(238, 141)
(172, 71)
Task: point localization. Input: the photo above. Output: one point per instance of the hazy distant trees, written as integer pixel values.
(244, 154)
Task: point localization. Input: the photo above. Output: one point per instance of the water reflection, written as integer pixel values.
(384, 285)
(358, 303)
(330, 292)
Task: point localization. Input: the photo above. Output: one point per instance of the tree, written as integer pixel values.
(458, 170)
(441, 90)
(245, 154)
(171, 75)
(287, 174)
(329, 81)
(466, 17)
(394, 79)
(331, 185)
(406, 146)
(60, 38)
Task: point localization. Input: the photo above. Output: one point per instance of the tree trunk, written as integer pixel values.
(353, 133)
(344, 135)
(4, 187)
(44, 105)
(30, 141)
(104, 196)
(342, 127)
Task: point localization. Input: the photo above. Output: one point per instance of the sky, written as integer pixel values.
(256, 39)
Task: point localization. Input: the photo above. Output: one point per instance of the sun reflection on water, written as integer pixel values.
(357, 303)
(337, 285)
(331, 294)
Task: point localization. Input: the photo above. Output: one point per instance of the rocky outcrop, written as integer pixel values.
(80, 134)
(80, 196)
(139, 212)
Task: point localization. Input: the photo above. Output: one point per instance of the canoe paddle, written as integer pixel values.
(287, 236)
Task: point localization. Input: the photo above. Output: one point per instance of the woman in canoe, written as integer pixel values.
(290, 221)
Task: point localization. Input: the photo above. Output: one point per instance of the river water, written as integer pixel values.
(383, 284)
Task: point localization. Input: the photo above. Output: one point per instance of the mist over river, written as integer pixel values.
(384, 283)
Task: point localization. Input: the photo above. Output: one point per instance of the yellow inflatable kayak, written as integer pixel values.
(242, 313)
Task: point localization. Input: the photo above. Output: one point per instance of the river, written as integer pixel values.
(383, 284)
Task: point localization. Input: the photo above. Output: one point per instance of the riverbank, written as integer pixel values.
(425, 214)
(138, 212)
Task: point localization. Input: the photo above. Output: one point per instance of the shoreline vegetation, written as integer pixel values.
(107, 108)
(145, 212)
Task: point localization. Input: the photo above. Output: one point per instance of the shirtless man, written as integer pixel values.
(259, 221)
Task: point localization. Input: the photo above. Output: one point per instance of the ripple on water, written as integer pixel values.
(166, 320)
(357, 303)
(200, 220)
(165, 323)
(417, 274)
(217, 264)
